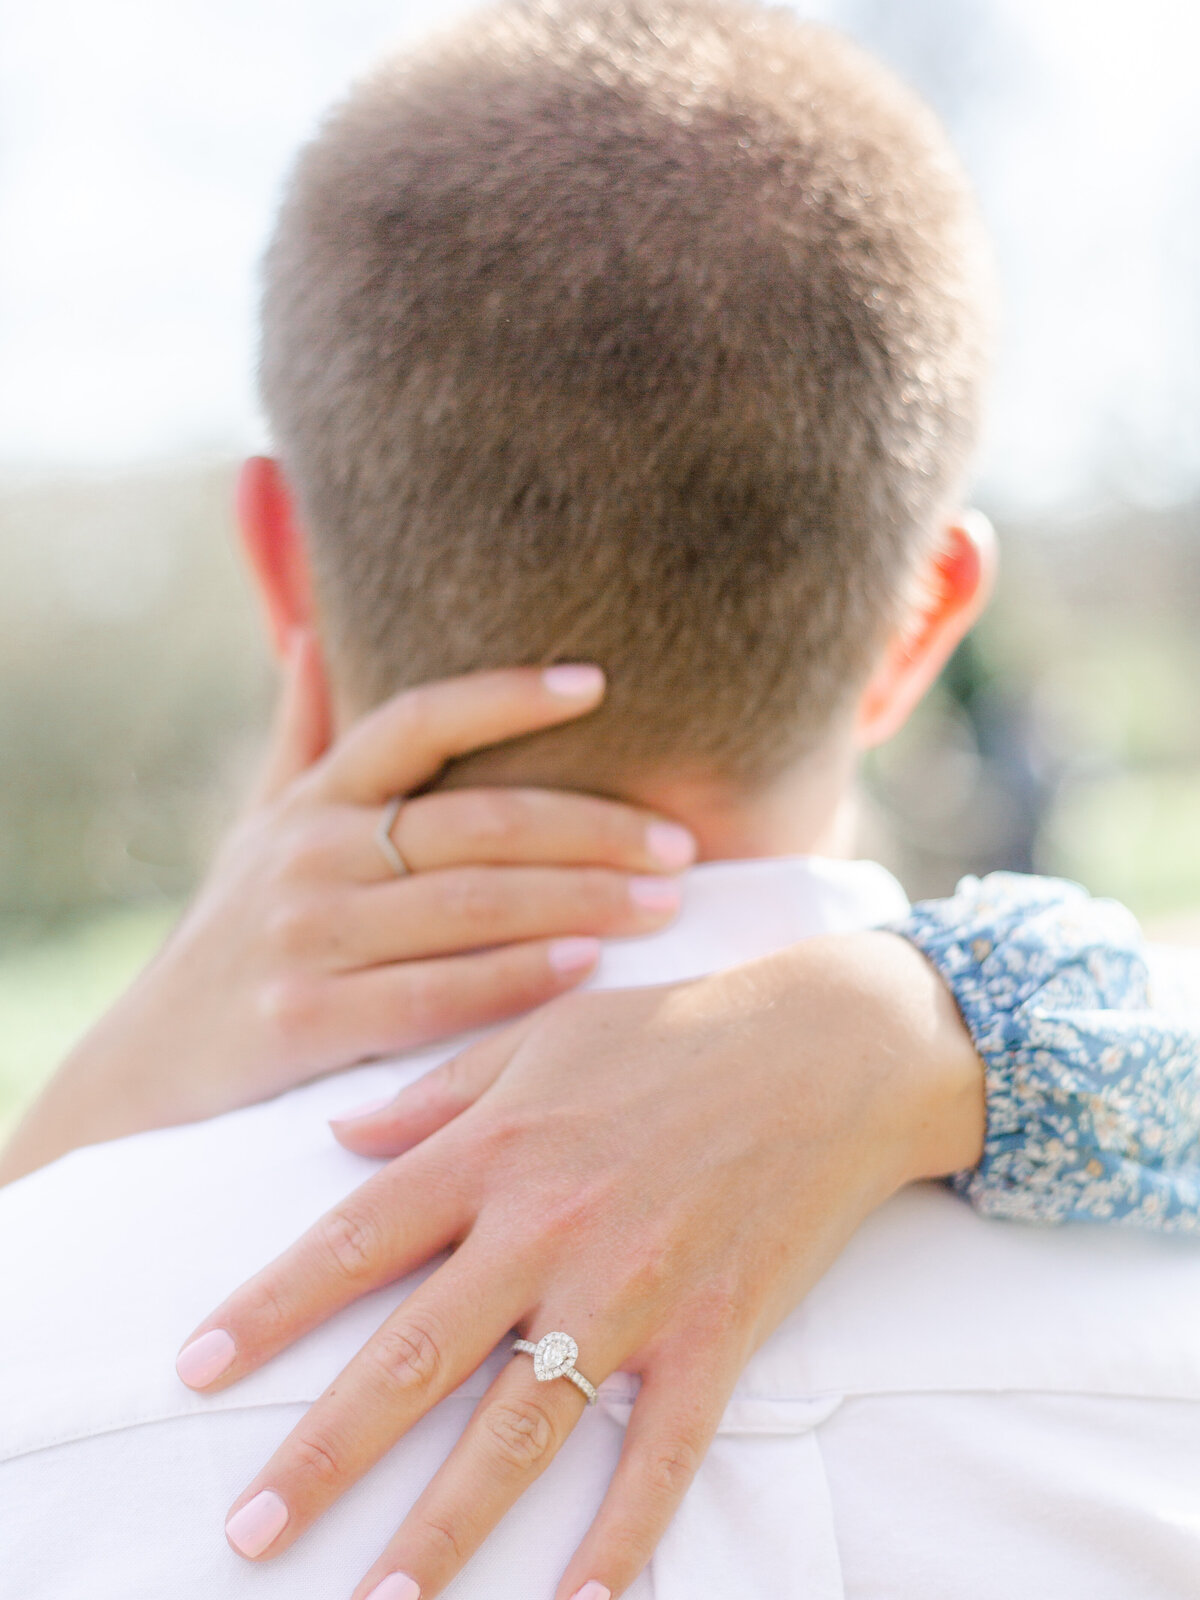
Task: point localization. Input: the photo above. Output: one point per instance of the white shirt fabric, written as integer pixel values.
(961, 1409)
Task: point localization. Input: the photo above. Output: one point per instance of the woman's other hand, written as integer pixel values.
(306, 951)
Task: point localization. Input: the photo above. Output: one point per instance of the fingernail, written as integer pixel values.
(672, 845)
(574, 681)
(258, 1524)
(655, 894)
(570, 955)
(367, 1109)
(592, 1591)
(206, 1358)
(396, 1586)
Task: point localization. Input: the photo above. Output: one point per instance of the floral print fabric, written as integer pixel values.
(1093, 1098)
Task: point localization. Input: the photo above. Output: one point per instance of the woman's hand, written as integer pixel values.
(662, 1173)
(304, 951)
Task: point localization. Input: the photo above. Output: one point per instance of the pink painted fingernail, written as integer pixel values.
(396, 1586)
(672, 845)
(258, 1524)
(206, 1358)
(572, 955)
(367, 1109)
(592, 1591)
(655, 894)
(574, 681)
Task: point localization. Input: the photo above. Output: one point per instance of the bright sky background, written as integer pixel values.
(142, 145)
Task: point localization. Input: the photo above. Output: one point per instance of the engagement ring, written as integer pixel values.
(554, 1356)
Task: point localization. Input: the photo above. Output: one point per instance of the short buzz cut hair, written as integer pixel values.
(643, 332)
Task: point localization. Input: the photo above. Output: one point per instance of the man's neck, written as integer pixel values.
(809, 810)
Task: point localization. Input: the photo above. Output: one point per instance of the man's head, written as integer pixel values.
(646, 333)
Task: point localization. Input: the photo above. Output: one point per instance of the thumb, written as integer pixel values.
(302, 729)
(389, 1127)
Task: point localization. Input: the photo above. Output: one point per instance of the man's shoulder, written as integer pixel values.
(931, 1297)
(109, 1257)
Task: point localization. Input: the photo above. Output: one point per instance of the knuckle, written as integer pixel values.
(350, 1239)
(263, 1309)
(520, 1433)
(409, 1355)
(315, 1456)
(488, 816)
(308, 851)
(590, 1200)
(500, 1142)
(290, 927)
(452, 1085)
(290, 1009)
(447, 1547)
(472, 897)
(564, 1214)
(649, 1271)
(671, 1466)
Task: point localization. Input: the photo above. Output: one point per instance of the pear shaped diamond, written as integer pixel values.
(555, 1355)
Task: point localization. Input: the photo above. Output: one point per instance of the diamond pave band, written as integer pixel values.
(554, 1356)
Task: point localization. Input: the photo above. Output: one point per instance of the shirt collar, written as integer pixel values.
(735, 911)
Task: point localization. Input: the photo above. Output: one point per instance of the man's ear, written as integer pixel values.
(954, 590)
(274, 545)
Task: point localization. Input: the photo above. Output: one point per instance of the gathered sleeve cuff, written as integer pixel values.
(1093, 1097)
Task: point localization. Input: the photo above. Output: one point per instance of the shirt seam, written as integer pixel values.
(817, 1395)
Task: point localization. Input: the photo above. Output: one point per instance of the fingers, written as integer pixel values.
(432, 1101)
(674, 1419)
(514, 1435)
(302, 727)
(407, 741)
(350, 1016)
(388, 1226)
(422, 1352)
(473, 908)
(536, 827)
(481, 827)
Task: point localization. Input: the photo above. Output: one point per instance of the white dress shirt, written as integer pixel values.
(960, 1410)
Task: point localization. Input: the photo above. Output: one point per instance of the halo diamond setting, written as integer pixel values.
(554, 1356)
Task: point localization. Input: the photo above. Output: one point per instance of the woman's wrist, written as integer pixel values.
(948, 1082)
(885, 1011)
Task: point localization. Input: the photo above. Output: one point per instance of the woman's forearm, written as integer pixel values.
(114, 1082)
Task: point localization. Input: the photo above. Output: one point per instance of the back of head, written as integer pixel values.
(644, 332)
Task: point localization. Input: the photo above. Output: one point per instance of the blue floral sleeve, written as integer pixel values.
(1093, 1098)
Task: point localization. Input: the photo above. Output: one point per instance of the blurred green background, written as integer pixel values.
(133, 685)
(1065, 739)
